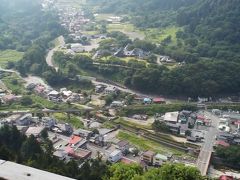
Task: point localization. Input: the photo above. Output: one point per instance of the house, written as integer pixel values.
(99, 88)
(159, 100)
(236, 141)
(24, 120)
(65, 128)
(123, 146)
(147, 100)
(53, 94)
(198, 134)
(83, 133)
(226, 177)
(48, 122)
(60, 154)
(147, 157)
(35, 131)
(159, 159)
(77, 48)
(10, 98)
(191, 138)
(114, 19)
(140, 117)
(117, 104)
(81, 154)
(174, 128)
(74, 141)
(115, 156)
(119, 53)
(222, 143)
(111, 89)
(66, 94)
(39, 89)
(75, 97)
(136, 52)
(101, 53)
(224, 127)
(21, 129)
(127, 160)
(171, 117)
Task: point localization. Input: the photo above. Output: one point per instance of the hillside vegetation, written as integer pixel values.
(207, 39)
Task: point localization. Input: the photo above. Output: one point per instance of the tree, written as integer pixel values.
(229, 154)
(160, 126)
(26, 101)
(108, 99)
(31, 148)
(120, 171)
(172, 171)
(44, 134)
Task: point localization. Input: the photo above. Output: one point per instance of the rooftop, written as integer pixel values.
(115, 152)
(81, 153)
(74, 139)
(161, 156)
(149, 153)
(122, 143)
(11, 171)
(35, 131)
(171, 116)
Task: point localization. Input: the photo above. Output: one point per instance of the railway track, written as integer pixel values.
(158, 138)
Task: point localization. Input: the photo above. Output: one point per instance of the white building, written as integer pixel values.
(171, 117)
(117, 104)
(10, 170)
(77, 48)
(159, 159)
(115, 156)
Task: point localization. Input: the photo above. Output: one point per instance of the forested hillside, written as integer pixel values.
(151, 13)
(207, 40)
(210, 27)
(213, 26)
(22, 21)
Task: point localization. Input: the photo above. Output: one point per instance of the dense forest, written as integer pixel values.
(207, 40)
(38, 153)
(205, 78)
(210, 27)
(22, 22)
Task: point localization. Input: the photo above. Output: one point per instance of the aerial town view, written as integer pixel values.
(119, 89)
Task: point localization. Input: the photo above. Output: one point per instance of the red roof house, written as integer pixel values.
(159, 100)
(74, 140)
(222, 143)
(225, 177)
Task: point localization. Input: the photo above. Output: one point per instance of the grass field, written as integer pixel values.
(145, 144)
(101, 17)
(74, 120)
(14, 83)
(9, 56)
(157, 35)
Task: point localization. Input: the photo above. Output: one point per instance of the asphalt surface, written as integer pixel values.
(207, 148)
(49, 58)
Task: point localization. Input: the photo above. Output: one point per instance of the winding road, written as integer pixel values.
(49, 58)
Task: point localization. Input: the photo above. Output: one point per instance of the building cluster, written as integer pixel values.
(63, 95)
(229, 129)
(185, 123)
(7, 97)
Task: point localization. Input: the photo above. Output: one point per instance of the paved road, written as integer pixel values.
(125, 89)
(49, 58)
(207, 148)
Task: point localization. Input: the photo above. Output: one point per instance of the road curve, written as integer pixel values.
(49, 58)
